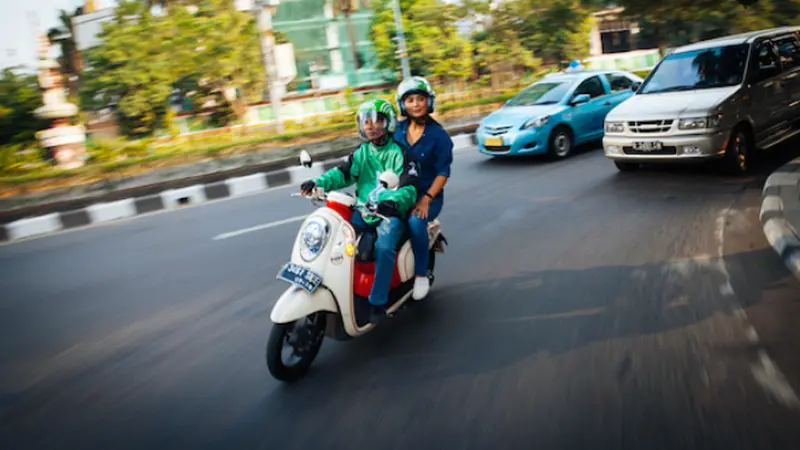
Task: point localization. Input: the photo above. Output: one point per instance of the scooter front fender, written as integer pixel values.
(297, 303)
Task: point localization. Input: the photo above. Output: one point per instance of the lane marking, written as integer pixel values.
(259, 227)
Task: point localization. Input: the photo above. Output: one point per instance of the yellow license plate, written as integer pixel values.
(494, 142)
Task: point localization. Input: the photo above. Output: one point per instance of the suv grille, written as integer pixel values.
(650, 126)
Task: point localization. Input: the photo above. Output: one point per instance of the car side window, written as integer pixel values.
(618, 82)
(592, 86)
(789, 52)
(766, 63)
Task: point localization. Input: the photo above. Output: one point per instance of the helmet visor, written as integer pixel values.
(372, 124)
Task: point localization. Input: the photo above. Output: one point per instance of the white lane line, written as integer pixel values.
(259, 227)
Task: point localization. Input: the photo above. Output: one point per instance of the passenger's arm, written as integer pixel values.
(405, 196)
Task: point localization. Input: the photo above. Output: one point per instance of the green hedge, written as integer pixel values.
(106, 157)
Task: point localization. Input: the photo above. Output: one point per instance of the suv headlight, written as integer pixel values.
(313, 238)
(615, 127)
(700, 123)
(535, 122)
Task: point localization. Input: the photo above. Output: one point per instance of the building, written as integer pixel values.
(616, 43)
(321, 35)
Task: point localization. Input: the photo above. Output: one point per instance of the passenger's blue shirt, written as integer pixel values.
(433, 151)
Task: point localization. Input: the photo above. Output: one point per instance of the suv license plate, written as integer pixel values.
(647, 146)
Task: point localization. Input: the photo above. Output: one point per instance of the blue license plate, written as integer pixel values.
(300, 276)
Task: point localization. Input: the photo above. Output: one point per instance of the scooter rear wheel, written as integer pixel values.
(303, 337)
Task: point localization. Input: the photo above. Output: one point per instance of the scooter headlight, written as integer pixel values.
(313, 238)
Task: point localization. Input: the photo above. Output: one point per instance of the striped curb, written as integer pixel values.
(172, 199)
(780, 213)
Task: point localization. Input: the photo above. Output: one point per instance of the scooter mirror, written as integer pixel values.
(305, 159)
(389, 179)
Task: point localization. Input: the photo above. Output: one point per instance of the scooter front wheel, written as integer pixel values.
(293, 346)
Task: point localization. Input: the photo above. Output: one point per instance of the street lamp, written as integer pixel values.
(401, 39)
(265, 9)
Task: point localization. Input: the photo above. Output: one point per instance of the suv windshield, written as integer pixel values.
(544, 93)
(699, 69)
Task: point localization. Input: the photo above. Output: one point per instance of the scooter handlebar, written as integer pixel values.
(319, 194)
(316, 194)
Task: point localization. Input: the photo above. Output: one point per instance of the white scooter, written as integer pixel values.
(331, 274)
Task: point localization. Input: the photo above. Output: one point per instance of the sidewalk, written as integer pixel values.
(780, 213)
(180, 186)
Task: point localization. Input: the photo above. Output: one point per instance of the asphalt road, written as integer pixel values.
(576, 307)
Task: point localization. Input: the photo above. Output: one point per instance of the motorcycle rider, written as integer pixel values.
(376, 120)
(432, 148)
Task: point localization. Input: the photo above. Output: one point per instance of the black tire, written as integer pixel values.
(739, 152)
(313, 337)
(560, 144)
(626, 166)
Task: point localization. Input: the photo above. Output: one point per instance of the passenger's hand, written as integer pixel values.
(387, 208)
(308, 187)
(421, 210)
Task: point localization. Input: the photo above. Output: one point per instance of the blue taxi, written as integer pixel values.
(556, 113)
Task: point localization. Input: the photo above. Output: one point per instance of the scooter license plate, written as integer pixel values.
(300, 276)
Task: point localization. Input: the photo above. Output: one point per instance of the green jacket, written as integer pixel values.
(364, 166)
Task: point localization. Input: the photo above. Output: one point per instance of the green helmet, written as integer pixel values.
(415, 85)
(375, 109)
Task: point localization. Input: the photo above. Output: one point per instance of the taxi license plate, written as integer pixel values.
(494, 142)
(300, 276)
(647, 146)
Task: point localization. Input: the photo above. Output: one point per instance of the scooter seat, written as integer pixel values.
(366, 246)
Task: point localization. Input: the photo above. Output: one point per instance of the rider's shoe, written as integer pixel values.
(422, 286)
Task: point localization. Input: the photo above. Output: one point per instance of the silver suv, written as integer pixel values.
(721, 98)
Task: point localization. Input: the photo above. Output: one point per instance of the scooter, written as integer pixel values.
(331, 272)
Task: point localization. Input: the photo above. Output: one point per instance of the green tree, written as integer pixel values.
(556, 30)
(133, 70)
(209, 53)
(19, 97)
(435, 48)
(499, 50)
(64, 36)
(678, 22)
(70, 61)
(225, 61)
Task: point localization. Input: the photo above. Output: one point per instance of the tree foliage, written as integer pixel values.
(515, 36)
(556, 30)
(434, 47)
(678, 22)
(210, 53)
(500, 49)
(19, 97)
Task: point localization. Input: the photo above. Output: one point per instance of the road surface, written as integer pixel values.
(576, 307)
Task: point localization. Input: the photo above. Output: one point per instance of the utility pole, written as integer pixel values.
(265, 10)
(401, 39)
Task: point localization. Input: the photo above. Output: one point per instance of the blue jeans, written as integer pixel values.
(418, 231)
(389, 235)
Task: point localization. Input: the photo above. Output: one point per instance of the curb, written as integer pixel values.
(780, 213)
(171, 199)
(202, 172)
